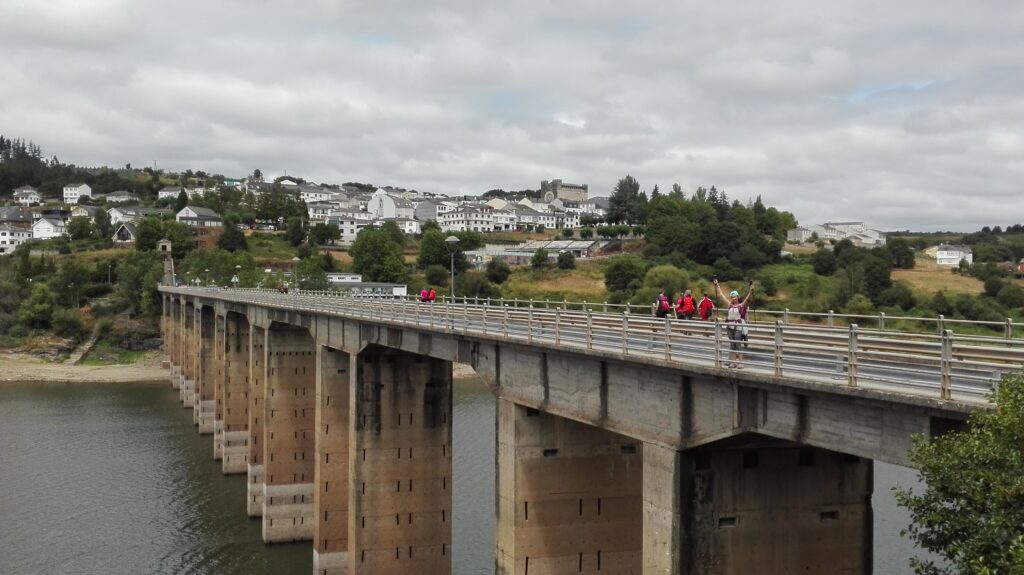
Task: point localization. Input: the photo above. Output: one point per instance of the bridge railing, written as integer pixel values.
(945, 365)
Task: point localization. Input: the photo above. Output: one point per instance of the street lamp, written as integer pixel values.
(207, 270)
(295, 272)
(453, 244)
(234, 279)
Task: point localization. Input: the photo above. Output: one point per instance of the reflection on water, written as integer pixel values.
(114, 478)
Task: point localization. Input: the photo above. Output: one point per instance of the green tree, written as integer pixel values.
(497, 270)
(37, 310)
(429, 225)
(627, 203)
(148, 233)
(970, 509)
(101, 225)
(181, 238)
(624, 273)
(231, 239)
(824, 262)
(295, 232)
(567, 233)
(323, 234)
(394, 233)
(436, 275)
(586, 233)
(539, 260)
(941, 304)
(181, 202)
(1011, 296)
(378, 258)
(566, 261)
(435, 251)
(138, 275)
(67, 323)
(79, 228)
(475, 284)
(859, 304)
(310, 274)
(901, 254)
(993, 285)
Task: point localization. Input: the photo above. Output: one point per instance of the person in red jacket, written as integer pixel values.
(705, 307)
(685, 306)
(432, 295)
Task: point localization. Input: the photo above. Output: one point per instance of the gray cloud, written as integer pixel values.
(906, 115)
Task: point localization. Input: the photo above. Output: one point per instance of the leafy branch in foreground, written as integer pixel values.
(971, 511)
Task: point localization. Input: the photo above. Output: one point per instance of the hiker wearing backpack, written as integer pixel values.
(662, 305)
(424, 295)
(432, 295)
(705, 307)
(685, 306)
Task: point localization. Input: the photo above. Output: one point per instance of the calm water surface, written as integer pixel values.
(114, 479)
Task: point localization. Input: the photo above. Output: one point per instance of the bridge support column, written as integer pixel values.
(172, 340)
(400, 449)
(257, 379)
(220, 373)
(189, 352)
(330, 530)
(207, 370)
(756, 507)
(569, 496)
(289, 435)
(234, 404)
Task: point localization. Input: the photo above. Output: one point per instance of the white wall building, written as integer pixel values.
(466, 219)
(950, 256)
(198, 217)
(168, 192)
(74, 191)
(12, 237)
(856, 232)
(47, 228)
(121, 196)
(384, 205)
(27, 195)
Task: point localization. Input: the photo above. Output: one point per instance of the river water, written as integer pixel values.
(114, 479)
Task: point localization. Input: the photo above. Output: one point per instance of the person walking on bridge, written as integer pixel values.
(734, 322)
(705, 307)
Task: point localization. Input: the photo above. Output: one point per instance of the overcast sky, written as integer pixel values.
(906, 114)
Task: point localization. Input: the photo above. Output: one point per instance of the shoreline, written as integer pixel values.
(16, 368)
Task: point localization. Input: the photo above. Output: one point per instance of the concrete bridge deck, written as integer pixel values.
(624, 443)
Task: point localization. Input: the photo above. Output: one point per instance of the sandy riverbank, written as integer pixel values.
(18, 368)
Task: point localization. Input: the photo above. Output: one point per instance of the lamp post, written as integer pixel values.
(295, 272)
(234, 280)
(207, 277)
(453, 244)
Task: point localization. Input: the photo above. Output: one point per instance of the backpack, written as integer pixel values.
(433, 294)
(688, 304)
(424, 294)
(663, 304)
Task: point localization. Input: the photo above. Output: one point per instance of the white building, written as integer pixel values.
(168, 192)
(47, 228)
(384, 205)
(27, 195)
(338, 278)
(466, 219)
(408, 226)
(950, 256)
(503, 220)
(856, 232)
(315, 194)
(74, 191)
(595, 206)
(350, 223)
(319, 211)
(12, 237)
(121, 196)
(199, 217)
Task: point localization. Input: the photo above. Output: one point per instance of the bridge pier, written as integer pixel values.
(289, 435)
(331, 477)
(206, 375)
(172, 333)
(220, 373)
(400, 450)
(747, 505)
(569, 496)
(189, 352)
(233, 405)
(257, 379)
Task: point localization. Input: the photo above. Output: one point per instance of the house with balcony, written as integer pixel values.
(27, 195)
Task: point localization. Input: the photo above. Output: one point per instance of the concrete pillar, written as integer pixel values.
(206, 371)
(234, 406)
(220, 373)
(781, 510)
(667, 482)
(257, 377)
(172, 341)
(330, 505)
(289, 445)
(188, 355)
(400, 470)
(569, 496)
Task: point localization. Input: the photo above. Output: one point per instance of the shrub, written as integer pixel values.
(436, 275)
(587, 233)
(566, 261)
(1011, 296)
(67, 323)
(497, 270)
(624, 273)
(540, 259)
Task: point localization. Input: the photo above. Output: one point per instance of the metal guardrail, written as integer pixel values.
(946, 366)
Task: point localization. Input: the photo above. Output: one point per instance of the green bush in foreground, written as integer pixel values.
(971, 512)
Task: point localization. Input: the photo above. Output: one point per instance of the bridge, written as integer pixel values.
(625, 444)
